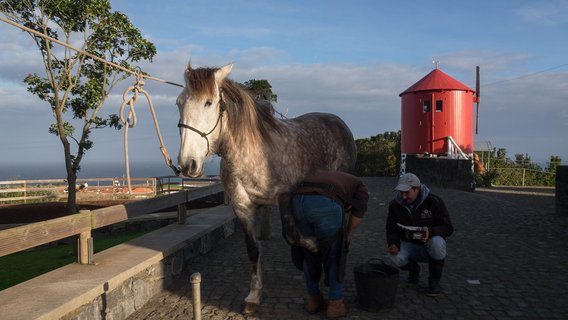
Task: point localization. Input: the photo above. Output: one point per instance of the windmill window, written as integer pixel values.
(426, 106)
(439, 105)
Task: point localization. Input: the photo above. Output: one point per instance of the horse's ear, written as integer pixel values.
(188, 68)
(222, 73)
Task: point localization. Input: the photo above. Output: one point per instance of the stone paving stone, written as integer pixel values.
(512, 244)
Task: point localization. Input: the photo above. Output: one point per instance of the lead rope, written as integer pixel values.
(130, 122)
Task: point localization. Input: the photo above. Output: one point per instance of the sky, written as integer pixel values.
(350, 58)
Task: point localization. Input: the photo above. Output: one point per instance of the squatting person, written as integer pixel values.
(417, 226)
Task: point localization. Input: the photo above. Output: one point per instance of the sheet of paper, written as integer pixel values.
(411, 228)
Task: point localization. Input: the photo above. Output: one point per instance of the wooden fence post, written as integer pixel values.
(85, 247)
(154, 187)
(182, 213)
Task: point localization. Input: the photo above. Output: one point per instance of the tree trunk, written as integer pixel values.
(72, 194)
(71, 179)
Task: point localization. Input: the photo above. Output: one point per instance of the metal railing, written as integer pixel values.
(93, 189)
(87, 189)
(523, 177)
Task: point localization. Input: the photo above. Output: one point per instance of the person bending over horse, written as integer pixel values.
(327, 206)
(417, 226)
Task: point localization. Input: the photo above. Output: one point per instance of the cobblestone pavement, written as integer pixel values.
(507, 259)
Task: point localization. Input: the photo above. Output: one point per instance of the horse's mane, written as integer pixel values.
(249, 121)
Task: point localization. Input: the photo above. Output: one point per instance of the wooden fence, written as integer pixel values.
(32, 235)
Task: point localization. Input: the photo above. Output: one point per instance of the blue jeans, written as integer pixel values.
(321, 217)
(434, 248)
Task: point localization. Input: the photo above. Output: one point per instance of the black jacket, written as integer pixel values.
(429, 210)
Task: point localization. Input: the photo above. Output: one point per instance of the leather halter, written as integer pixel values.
(201, 133)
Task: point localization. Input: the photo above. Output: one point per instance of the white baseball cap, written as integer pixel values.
(407, 181)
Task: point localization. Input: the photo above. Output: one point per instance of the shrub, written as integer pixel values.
(488, 177)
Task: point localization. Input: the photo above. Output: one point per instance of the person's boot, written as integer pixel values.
(315, 303)
(413, 269)
(435, 268)
(337, 309)
(434, 288)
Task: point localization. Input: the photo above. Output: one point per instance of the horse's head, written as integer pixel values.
(201, 115)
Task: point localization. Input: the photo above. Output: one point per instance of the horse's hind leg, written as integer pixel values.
(252, 301)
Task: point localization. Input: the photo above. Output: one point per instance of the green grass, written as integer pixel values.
(22, 266)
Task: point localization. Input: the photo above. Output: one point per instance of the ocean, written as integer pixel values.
(43, 171)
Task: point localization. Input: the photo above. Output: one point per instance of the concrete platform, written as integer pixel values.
(123, 277)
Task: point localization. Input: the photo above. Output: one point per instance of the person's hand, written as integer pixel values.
(393, 249)
(309, 243)
(354, 223)
(425, 234)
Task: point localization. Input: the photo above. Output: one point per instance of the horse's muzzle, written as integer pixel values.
(192, 170)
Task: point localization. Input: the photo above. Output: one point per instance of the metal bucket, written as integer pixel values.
(376, 284)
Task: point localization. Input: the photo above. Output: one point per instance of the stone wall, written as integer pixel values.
(122, 301)
(442, 172)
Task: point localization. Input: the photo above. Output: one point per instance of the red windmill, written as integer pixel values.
(437, 118)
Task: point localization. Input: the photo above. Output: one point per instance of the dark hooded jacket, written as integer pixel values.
(428, 210)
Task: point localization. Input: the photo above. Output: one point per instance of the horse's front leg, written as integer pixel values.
(246, 218)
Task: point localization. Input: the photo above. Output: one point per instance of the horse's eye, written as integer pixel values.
(208, 103)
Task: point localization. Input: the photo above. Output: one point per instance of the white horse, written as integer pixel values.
(262, 156)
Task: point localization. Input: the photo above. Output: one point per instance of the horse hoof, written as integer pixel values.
(250, 308)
